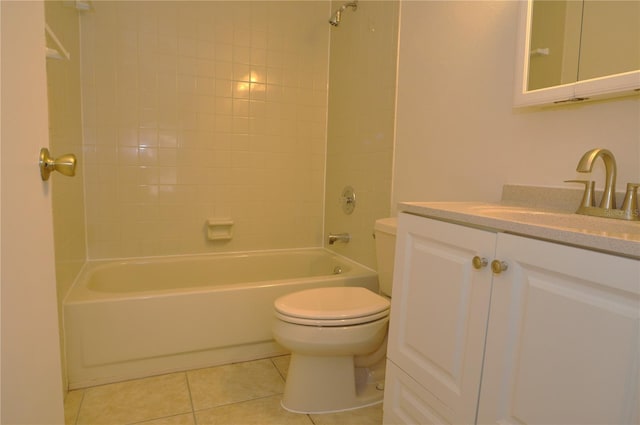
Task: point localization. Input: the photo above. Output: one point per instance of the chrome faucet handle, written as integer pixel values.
(588, 198)
(630, 204)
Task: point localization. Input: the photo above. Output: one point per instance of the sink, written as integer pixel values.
(555, 219)
(559, 225)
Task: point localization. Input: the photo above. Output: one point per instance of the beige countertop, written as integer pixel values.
(602, 234)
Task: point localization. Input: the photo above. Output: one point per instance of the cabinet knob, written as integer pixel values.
(498, 266)
(479, 262)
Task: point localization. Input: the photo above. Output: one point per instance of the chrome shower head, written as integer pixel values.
(335, 20)
(337, 16)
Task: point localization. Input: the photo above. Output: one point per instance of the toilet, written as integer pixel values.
(337, 337)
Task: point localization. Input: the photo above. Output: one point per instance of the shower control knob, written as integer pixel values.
(348, 200)
(498, 266)
(479, 262)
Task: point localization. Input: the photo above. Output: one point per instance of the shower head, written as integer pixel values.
(337, 16)
(335, 20)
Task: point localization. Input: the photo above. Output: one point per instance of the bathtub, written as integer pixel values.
(141, 317)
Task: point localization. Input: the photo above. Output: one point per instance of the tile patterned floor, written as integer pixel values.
(242, 393)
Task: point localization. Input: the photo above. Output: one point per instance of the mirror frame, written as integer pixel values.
(624, 84)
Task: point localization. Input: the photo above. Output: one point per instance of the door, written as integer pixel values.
(563, 338)
(438, 322)
(31, 390)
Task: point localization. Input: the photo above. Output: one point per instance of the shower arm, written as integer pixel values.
(337, 15)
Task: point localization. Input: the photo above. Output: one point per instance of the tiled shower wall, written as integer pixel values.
(198, 110)
(65, 136)
(361, 122)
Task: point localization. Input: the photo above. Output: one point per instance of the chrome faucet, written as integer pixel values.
(339, 237)
(585, 165)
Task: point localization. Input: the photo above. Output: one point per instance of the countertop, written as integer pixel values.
(602, 234)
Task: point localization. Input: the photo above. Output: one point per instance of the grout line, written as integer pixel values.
(193, 410)
(75, 422)
(278, 370)
(158, 418)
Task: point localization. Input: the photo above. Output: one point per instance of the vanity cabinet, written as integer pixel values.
(553, 338)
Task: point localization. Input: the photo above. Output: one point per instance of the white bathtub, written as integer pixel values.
(140, 317)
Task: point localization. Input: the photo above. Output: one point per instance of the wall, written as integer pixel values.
(458, 137)
(65, 136)
(194, 110)
(361, 122)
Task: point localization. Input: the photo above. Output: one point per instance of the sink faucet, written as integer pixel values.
(339, 237)
(585, 165)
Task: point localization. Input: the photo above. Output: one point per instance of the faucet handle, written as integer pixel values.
(630, 204)
(588, 198)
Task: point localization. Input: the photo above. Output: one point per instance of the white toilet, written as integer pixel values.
(337, 339)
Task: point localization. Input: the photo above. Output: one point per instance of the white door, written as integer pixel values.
(563, 341)
(31, 377)
(438, 321)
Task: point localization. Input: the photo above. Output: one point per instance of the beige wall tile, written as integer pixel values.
(178, 112)
(65, 136)
(361, 123)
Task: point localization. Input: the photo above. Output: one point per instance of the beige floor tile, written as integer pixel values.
(262, 411)
(186, 419)
(233, 383)
(371, 415)
(72, 402)
(282, 364)
(136, 401)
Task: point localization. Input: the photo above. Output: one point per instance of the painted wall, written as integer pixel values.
(458, 137)
(197, 110)
(65, 136)
(362, 82)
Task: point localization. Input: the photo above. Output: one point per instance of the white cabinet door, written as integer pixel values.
(563, 337)
(438, 318)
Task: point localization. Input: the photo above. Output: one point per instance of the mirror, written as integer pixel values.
(571, 50)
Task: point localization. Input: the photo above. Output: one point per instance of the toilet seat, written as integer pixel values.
(332, 306)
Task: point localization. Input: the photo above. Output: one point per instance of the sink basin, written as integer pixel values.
(556, 219)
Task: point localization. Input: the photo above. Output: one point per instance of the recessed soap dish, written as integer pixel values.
(219, 229)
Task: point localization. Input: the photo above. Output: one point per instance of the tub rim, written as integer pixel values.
(72, 296)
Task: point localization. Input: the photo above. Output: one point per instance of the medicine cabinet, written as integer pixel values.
(571, 50)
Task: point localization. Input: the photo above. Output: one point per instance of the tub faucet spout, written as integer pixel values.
(339, 237)
(585, 165)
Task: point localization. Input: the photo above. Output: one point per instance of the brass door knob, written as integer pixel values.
(498, 266)
(66, 164)
(479, 262)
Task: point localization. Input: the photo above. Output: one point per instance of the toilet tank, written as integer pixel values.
(385, 232)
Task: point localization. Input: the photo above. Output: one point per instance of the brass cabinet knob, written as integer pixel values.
(479, 262)
(498, 266)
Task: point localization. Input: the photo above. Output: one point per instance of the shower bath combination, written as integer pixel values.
(337, 16)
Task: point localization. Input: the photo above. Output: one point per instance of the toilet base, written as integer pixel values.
(325, 384)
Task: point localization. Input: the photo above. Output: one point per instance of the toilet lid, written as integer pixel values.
(332, 306)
